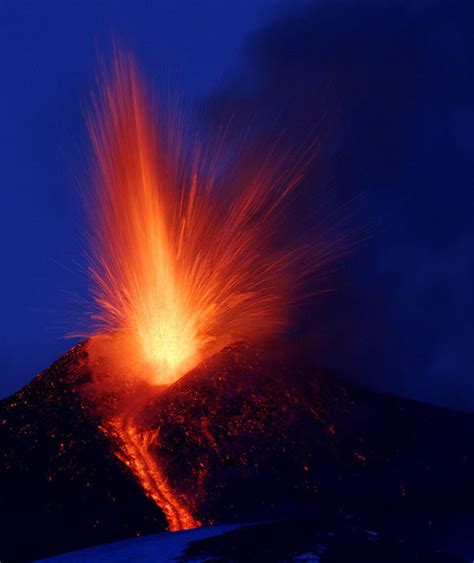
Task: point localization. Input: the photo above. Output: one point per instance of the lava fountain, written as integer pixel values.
(183, 260)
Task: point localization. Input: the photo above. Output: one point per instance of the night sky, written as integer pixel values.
(49, 52)
(387, 86)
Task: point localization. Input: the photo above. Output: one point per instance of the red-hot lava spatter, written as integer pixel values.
(182, 263)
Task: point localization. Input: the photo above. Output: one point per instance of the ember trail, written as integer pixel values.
(181, 265)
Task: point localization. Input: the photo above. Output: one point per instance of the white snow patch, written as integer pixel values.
(156, 547)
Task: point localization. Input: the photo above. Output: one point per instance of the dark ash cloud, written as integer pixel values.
(389, 88)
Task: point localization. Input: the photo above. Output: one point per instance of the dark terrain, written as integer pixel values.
(242, 438)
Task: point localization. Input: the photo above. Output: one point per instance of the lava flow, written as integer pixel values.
(184, 258)
(134, 452)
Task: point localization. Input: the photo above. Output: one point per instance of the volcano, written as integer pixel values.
(242, 436)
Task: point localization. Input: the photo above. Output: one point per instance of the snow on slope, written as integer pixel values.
(155, 547)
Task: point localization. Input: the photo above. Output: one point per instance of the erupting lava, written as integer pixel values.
(184, 258)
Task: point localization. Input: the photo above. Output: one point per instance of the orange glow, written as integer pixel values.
(135, 454)
(183, 260)
(180, 266)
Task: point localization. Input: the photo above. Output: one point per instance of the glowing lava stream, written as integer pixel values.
(135, 454)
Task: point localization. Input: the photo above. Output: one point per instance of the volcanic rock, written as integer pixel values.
(61, 487)
(240, 437)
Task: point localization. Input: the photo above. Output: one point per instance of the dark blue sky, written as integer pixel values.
(390, 84)
(49, 57)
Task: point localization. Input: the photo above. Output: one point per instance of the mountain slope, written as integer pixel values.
(239, 437)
